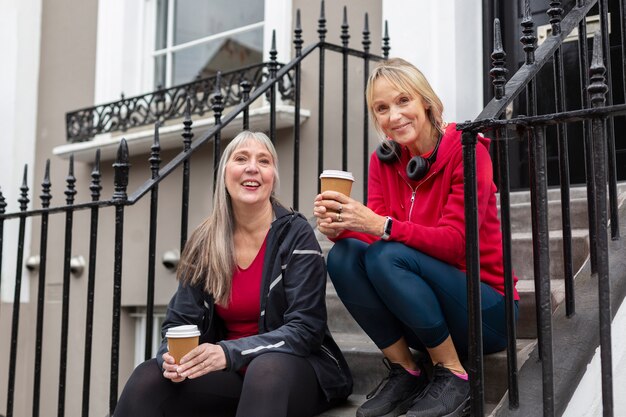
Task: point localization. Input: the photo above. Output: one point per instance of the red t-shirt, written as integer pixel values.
(241, 317)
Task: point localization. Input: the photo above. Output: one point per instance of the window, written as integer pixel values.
(196, 38)
(140, 332)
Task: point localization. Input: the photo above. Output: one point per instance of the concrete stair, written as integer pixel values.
(365, 359)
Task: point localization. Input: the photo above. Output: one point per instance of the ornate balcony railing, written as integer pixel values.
(169, 103)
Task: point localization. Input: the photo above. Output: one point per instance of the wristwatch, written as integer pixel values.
(387, 229)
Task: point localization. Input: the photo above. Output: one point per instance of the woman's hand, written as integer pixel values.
(169, 368)
(200, 361)
(337, 212)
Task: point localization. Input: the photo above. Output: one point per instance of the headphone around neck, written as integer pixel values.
(389, 151)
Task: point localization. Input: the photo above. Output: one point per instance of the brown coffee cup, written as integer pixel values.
(334, 180)
(181, 340)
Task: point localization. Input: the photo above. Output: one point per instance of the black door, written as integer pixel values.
(511, 15)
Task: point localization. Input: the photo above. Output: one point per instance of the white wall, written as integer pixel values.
(444, 40)
(587, 400)
(20, 22)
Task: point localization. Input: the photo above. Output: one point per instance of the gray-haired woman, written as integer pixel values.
(253, 278)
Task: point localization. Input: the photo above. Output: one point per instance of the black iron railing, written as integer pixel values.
(238, 90)
(169, 103)
(214, 95)
(597, 120)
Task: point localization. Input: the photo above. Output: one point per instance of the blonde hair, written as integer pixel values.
(405, 77)
(208, 258)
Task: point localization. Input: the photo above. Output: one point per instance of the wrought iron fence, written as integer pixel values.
(230, 89)
(595, 118)
(196, 98)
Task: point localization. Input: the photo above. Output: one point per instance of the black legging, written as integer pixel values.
(274, 385)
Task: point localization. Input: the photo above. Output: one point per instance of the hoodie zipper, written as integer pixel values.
(414, 190)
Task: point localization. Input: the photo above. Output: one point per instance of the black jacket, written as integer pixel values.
(293, 308)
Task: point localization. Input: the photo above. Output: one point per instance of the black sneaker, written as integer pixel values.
(446, 395)
(395, 396)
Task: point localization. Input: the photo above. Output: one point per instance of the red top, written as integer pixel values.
(429, 215)
(241, 317)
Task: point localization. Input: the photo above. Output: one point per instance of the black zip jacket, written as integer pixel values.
(293, 308)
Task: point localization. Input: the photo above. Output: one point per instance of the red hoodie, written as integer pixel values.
(429, 215)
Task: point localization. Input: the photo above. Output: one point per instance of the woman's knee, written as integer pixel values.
(345, 259)
(380, 259)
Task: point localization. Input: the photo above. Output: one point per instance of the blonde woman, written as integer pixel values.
(398, 263)
(253, 278)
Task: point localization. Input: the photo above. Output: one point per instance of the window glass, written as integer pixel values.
(161, 26)
(224, 54)
(195, 19)
(176, 61)
(159, 71)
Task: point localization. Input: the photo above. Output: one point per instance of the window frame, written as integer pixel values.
(126, 35)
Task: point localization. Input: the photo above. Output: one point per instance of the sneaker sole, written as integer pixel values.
(400, 409)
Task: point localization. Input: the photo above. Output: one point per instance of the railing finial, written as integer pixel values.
(528, 39)
(386, 46)
(597, 86)
(498, 56)
(366, 34)
(246, 87)
(217, 99)
(155, 153)
(70, 180)
(187, 122)
(297, 38)
(345, 36)
(187, 113)
(273, 51)
(121, 172)
(46, 196)
(321, 24)
(555, 12)
(23, 200)
(95, 186)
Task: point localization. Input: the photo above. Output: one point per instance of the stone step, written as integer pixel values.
(348, 409)
(527, 321)
(365, 361)
(521, 215)
(522, 253)
(517, 197)
(554, 193)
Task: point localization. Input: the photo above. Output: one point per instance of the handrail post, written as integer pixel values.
(597, 92)
(120, 199)
(475, 356)
(23, 200)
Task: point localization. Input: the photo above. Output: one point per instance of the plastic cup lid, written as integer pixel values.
(333, 173)
(188, 330)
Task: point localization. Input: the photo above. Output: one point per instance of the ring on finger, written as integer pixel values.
(339, 219)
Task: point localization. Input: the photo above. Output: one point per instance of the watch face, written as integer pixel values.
(387, 229)
(388, 225)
